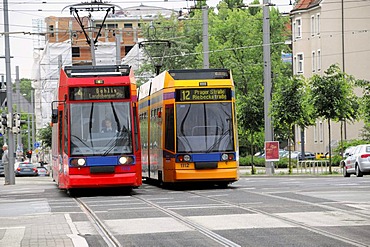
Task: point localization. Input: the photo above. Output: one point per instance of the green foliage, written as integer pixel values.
(333, 96)
(365, 100)
(44, 135)
(260, 162)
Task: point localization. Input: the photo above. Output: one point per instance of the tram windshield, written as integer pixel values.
(100, 128)
(204, 127)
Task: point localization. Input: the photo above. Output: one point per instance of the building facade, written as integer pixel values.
(325, 33)
(66, 44)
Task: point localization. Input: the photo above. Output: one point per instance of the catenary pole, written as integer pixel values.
(205, 37)
(9, 93)
(267, 79)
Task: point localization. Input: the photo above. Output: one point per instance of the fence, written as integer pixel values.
(313, 166)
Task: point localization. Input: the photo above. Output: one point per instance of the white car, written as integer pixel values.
(359, 162)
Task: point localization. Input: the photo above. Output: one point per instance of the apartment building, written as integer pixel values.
(325, 33)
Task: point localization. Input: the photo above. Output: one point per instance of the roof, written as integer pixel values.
(305, 4)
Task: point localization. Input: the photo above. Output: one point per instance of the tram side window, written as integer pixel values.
(136, 132)
(65, 133)
(60, 130)
(169, 129)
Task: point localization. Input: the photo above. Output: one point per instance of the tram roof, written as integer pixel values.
(100, 70)
(194, 74)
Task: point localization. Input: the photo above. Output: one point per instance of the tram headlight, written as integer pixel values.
(185, 157)
(126, 160)
(78, 162)
(227, 157)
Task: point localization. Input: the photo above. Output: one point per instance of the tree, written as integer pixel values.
(44, 135)
(333, 98)
(251, 116)
(289, 107)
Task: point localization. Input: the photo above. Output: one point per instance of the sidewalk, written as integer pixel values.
(26, 218)
(302, 171)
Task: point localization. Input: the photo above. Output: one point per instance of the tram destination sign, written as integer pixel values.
(203, 94)
(96, 93)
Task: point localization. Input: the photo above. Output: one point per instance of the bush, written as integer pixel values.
(260, 162)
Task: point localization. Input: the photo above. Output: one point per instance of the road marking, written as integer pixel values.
(327, 218)
(239, 221)
(146, 225)
(13, 236)
(77, 240)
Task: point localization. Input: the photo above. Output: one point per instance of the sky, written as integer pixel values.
(22, 12)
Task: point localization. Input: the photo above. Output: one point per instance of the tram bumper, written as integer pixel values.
(104, 180)
(225, 174)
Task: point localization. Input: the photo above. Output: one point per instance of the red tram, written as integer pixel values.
(95, 133)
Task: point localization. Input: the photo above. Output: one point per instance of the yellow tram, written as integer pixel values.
(188, 127)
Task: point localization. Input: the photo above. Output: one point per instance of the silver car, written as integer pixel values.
(359, 162)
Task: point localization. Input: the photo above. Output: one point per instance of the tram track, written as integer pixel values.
(111, 241)
(291, 221)
(103, 230)
(205, 231)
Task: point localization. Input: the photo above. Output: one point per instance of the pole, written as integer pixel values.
(19, 136)
(92, 45)
(33, 116)
(267, 79)
(9, 93)
(118, 49)
(205, 37)
(28, 129)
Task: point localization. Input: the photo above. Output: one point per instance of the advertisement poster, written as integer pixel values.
(272, 151)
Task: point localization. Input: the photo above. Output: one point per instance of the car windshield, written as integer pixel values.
(100, 128)
(204, 127)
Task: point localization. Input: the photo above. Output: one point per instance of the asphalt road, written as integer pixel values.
(255, 211)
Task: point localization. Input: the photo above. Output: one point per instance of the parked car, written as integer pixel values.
(348, 152)
(26, 169)
(293, 155)
(359, 162)
(307, 156)
(42, 171)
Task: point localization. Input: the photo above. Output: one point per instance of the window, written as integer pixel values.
(114, 25)
(127, 48)
(170, 128)
(318, 24)
(51, 30)
(321, 132)
(127, 25)
(315, 134)
(313, 61)
(318, 60)
(298, 31)
(75, 51)
(313, 25)
(299, 63)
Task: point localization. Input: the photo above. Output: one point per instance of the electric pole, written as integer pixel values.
(267, 79)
